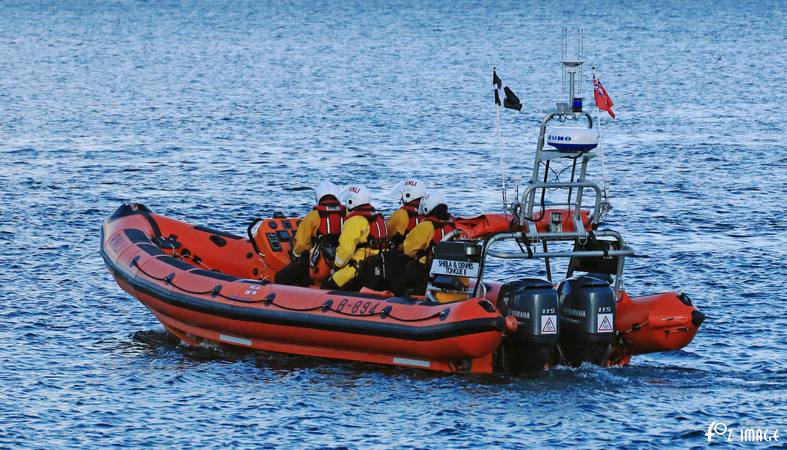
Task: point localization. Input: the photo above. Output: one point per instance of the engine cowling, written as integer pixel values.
(587, 320)
(534, 304)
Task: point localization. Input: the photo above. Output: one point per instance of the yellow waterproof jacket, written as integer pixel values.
(304, 237)
(355, 232)
(416, 245)
(397, 224)
(418, 240)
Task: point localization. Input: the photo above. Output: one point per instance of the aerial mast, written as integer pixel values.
(571, 72)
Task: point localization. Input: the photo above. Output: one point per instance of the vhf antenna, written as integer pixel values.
(572, 74)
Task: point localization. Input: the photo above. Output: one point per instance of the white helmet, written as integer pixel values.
(356, 195)
(326, 188)
(430, 201)
(410, 189)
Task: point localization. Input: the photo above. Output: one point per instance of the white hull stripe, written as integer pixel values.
(412, 362)
(235, 340)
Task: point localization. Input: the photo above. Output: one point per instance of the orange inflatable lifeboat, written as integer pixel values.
(207, 285)
(204, 284)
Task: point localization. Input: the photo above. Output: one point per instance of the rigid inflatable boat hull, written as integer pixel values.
(206, 285)
(196, 306)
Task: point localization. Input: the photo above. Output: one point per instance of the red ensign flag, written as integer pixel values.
(603, 101)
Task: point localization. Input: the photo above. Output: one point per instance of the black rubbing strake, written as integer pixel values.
(214, 275)
(175, 262)
(136, 236)
(329, 323)
(151, 249)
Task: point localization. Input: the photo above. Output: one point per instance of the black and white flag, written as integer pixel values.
(511, 101)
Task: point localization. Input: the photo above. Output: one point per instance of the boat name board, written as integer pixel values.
(455, 268)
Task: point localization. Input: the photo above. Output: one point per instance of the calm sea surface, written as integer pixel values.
(218, 113)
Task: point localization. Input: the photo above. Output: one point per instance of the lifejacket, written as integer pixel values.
(412, 213)
(441, 229)
(321, 256)
(378, 231)
(331, 218)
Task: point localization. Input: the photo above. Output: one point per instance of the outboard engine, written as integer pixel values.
(534, 303)
(587, 319)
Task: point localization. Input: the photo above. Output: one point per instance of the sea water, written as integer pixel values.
(219, 113)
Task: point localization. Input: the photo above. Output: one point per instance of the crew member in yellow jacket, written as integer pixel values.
(318, 231)
(364, 234)
(404, 219)
(421, 240)
(401, 222)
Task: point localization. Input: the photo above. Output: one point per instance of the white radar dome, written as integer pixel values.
(572, 139)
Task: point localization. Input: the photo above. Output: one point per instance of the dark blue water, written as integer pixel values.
(219, 113)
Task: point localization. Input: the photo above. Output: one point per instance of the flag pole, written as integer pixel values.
(500, 154)
(598, 135)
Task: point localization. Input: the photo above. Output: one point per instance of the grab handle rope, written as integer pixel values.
(251, 236)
